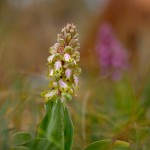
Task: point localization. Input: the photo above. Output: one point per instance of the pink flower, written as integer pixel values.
(67, 57)
(58, 65)
(68, 73)
(113, 58)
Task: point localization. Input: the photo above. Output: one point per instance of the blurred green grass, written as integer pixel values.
(103, 109)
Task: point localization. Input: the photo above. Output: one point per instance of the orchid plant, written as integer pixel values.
(112, 56)
(56, 129)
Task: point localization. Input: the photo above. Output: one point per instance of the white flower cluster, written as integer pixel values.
(63, 69)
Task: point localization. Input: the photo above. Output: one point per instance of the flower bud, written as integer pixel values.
(66, 96)
(68, 37)
(68, 49)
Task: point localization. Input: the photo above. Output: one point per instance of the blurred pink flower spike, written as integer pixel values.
(113, 57)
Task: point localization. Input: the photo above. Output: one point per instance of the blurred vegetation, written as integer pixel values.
(103, 108)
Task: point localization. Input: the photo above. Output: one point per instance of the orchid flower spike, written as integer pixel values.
(63, 69)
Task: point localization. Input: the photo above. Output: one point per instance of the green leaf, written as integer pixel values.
(100, 145)
(109, 145)
(121, 145)
(46, 120)
(57, 125)
(21, 138)
(55, 129)
(41, 144)
(68, 133)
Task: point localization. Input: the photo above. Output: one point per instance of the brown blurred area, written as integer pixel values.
(28, 28)
(131, 23)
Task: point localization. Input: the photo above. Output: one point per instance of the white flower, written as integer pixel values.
(58, 65)
(55, 84)
(67, 57)
(50, 58)
(50, 94)
(63, 85)
(74, 62)
(76, 80)
(51, 73)
(68, 73)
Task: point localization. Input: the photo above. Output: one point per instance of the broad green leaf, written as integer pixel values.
(46, 120)
(121, 145)
(100, 145)
(21, 138)
(68, 131)
(41, 144)
(55, 130)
